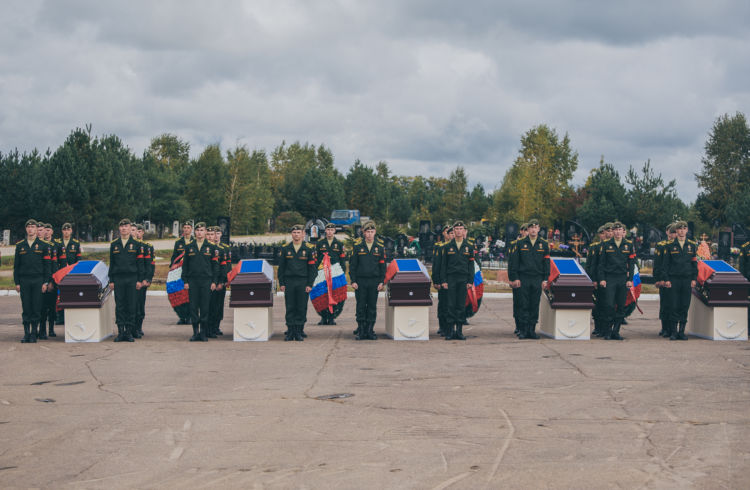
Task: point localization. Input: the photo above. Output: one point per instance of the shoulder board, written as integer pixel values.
(380, 242)
(57, 240)
(20, 241)
(357, 241)
(594, 244)
(74, 240)
(693, 242)
(470, 240)
(542, 240)
(115, 240)
(309, 245)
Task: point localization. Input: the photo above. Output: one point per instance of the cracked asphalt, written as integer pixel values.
(332, 412)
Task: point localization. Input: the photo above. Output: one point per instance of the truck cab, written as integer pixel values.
(344, 218)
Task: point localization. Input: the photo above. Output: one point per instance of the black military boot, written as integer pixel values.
(681, 335)
(26, 333)
(459, 335)
(302, 331)
(211, 330)
(42, 332)
(521, 330)
(196, 337)
(288, 334)
(127, 333)
(615, 334)
(360, 333)
(118, 338)
(52, 328)
(450, 331)
(531, 331)
(371, 331)
(299, 335)
(663, 331)
(517, 330)
(673, 331)
(139, 331)
(203, 331)
(441, 328)
(34, 330)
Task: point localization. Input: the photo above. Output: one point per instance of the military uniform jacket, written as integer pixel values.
(659, 260)
(614, 260)
(201, 263)
(225, 261)
(745, 260)
(179, 247)
(592, 257)
(367, 263)
(149, 261)
(437, 259)
(510, 249)
(680, 261)
(299, 264)
(127, 260)
(457, 261)
(335, 252)
(53, 254)
(70, 253)
(32, 261)
(530, 259)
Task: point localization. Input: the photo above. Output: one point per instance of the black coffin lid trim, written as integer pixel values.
(251, 290)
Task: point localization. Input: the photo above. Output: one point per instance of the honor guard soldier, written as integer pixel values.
(296, 275)
(49, 298)
(200, 271)
(126, 274)
(32, 273)
(615, 269)
(745, 271)
(530, 271)
(680, 272)
(335, 249)
(664, 314)
(216, 304)
(523, 231)
(437, 258)
(367, 273)
(591, 263)
(456, 274)
(149, 266)
(179, 249)
(226, 266)
(70, 253)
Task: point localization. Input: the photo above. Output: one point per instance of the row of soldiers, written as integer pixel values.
(37, 258)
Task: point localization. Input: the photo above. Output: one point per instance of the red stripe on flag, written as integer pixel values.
(391, 271)
(704, 272)
(57, 276)
(233, 273)
(554, 272)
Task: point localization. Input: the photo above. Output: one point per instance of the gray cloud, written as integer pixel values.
(425, 85)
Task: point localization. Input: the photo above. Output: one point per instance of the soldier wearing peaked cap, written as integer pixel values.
(367, 273)
(126, 274)
(32, 274)
(296, 275)
(456, 274)
(200, 272)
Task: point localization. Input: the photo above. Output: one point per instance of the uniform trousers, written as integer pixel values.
(31, 299)
(529, 295)
(615, 295)
(456, 294)
(679, 298)
(295, 300)
(366, 295)
(199, 294)
(126, 301)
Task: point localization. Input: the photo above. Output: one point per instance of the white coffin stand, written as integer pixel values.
(563, 324)
(91, 324)
(253, 324)
(716, 322)
(407, 322)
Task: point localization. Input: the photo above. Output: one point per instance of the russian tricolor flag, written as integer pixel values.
(176, 291)
(475, 293)
(329, 287)
(635, 291)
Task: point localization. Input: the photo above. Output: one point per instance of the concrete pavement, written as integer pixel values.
(331, 412)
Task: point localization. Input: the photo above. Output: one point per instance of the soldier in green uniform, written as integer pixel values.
(511, 248)
(179, 249)
(744, 266)
(149, 266)
(216, 303)
(615, 269)
(591, 263)
(32, 274)
(335, 249)
(296, 275)
(49, 298)
(200, 271)
(367, 273)
(226, 266)
(664, 313)
(680, 272)
(531, 269)
(126, 274)
(437, 258)
(70, 253)
(456, 274)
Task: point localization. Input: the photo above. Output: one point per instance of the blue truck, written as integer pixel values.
(344, 218)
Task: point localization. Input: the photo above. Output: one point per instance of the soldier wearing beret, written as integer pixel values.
(69, 253)
(437, 258)
(183, 311)
(530, 272)
(522, 233)
(149, 266)
(456, 274)
(225, 264)
(680, 272)
(367, 273)
(126, 274)
(32, 273)
(331, 246)
(296, 275)
(49, 297)
(615, 269)
(200, 272)
(591, 264)
(664, 314)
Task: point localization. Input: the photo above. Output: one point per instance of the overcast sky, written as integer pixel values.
(423, 85)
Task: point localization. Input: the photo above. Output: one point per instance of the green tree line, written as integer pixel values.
(93, 181)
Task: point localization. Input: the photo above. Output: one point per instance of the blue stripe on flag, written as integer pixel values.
(174, 286)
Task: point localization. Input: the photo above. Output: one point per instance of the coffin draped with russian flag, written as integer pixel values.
(329, 287)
